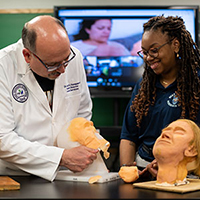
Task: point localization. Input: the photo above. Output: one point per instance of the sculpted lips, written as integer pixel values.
(165, 137)
(164, 140)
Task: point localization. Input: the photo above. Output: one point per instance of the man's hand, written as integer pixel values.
(78, 158)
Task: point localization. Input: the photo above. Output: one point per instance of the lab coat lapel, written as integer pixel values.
(29, 80)
(58, 93)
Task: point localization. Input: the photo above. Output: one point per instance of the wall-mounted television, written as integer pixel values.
(115, 74)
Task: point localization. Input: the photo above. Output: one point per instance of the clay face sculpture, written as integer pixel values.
(83, 131)
(129, 173)
(173, 150)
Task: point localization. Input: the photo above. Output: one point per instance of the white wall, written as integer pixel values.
(48, 4)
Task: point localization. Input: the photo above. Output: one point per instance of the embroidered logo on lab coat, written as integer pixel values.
(20, 93)
(173, 100)
(72, 87)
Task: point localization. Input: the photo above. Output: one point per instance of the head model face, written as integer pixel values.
(81, 130)
(174, 149)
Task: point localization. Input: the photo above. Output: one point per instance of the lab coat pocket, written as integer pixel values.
(72, 106)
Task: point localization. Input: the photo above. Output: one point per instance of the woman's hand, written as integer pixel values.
(152, 168)
(150, 172)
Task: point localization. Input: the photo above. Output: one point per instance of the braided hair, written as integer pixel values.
(188, 83)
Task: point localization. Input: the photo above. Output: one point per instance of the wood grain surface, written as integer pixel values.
(7, 183)
(194, 185)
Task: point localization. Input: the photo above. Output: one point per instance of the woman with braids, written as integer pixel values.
(169, 90)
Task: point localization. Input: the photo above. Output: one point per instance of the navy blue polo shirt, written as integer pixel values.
(162, 113)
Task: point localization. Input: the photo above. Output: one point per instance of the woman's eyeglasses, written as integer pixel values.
(153, 52)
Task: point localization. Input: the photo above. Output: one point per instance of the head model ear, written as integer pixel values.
(191, 151)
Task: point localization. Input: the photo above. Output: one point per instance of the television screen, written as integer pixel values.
(114, 68)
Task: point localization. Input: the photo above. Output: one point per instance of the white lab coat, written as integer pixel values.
(28, 127)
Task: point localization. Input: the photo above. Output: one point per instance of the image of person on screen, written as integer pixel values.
(93, 39)
(168, 90)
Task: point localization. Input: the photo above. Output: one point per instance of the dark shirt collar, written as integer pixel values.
(45, 83)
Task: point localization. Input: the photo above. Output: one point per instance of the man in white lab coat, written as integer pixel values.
(42, 86)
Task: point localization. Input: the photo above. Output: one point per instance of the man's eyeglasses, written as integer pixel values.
(51, 68)
(153, 52)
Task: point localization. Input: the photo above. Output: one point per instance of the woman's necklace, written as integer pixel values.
(164, 82)
(168, 82)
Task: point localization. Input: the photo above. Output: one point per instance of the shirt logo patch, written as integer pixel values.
(20, 93)
(173, 100)
(72, 87)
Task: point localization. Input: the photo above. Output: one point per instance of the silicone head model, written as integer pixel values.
(83, 131)
(177, 146)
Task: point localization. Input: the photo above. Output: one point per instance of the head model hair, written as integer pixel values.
(196, 143)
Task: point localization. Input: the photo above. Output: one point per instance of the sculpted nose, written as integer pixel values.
(165, 135)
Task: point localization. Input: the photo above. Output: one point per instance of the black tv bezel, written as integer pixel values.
(120, 92)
